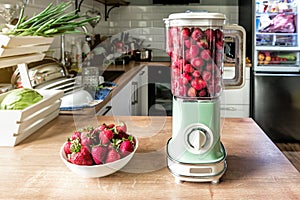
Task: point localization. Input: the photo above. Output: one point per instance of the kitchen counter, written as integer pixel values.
(256, 167)
(130, 70)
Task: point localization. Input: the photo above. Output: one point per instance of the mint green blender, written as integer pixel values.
(195, 44)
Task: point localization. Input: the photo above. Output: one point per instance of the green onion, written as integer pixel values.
(51, 21)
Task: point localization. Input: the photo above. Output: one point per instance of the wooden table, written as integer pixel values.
(256, 168)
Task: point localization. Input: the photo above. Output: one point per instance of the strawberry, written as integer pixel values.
(205, 54)
(121, 127)
(185, 33)
(209, 35)
(126, 148)
(192, 92)
(99, 154)
(194, 51)
(188, 68)
(187, 43)
(105, 136)
(197, 62)
(206, 75)
(110, 126)
(202, 44)
(67, 147)
(219, 35)
(187, 54)
(202, 93)
(112, 155)
(87, 138)
(198, 83)
(186, 78)
(196, 74)
(197, 34)
(75, 135)
(80, 154)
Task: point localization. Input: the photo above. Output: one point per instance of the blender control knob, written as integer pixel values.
(198, 138)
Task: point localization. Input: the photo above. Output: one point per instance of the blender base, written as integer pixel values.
(204, 172)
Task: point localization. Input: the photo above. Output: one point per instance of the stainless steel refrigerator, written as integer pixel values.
(276, 67)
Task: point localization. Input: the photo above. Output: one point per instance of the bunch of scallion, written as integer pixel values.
(53, 20)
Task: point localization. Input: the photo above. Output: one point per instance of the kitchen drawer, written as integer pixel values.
(232, 111)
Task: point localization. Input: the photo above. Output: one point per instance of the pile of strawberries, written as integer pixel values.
(196, 61)
(103, 144)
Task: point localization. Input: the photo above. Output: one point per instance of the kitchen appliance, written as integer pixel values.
(159, 90)
(195, 43)
(276, 67)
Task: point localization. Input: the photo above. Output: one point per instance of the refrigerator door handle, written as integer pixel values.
(276, 74)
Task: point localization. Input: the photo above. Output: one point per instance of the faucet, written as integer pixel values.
(88, 38)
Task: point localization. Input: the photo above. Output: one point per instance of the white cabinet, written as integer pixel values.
(236, 102)
(132, 99)
(139, 97)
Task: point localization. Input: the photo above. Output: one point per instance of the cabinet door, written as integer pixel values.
(121, 102)
(236, 102)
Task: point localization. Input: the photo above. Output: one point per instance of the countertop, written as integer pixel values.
(256, 167)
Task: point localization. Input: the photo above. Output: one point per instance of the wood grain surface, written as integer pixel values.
(256, 167)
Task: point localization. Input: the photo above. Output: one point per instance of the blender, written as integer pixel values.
(195, 44)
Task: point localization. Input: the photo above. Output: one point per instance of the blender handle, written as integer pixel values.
(238, 33)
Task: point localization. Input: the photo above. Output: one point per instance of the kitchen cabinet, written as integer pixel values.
(131, 99)
(236, 102)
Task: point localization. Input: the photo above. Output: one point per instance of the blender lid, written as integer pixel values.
(197, 15)
(196, 18)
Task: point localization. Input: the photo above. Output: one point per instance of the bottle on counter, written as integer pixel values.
(79, 56)
(86, 51)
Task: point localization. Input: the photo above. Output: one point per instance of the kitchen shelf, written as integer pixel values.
(113, 4)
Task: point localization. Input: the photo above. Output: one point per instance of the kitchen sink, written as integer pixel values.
(110, 76)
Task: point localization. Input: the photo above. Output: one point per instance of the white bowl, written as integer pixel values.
(96, 171)
(76, 99)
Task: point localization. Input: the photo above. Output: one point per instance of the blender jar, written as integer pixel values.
(195, 44)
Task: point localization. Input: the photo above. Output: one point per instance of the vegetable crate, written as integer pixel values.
(19, 124)
(22, 49)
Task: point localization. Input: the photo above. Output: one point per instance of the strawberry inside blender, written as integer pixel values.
(196, 61)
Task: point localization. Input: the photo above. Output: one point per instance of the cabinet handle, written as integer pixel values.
(108, 108)
(134, 97)
(141, 74)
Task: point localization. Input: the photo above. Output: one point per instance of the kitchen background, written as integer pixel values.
(140, 18)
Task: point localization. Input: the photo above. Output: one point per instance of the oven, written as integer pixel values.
(159, 91)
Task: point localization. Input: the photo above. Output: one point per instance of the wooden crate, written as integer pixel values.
(19, 124)
(16, 50)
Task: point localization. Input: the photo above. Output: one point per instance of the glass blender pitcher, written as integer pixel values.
(195, 44)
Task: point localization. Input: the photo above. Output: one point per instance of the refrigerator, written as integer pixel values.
(276, 68)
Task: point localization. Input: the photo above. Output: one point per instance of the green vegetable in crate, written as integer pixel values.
(53, 20)
(19, 99)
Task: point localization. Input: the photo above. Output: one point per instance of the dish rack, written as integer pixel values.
(19, 124)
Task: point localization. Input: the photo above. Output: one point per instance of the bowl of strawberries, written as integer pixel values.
(94, 152)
